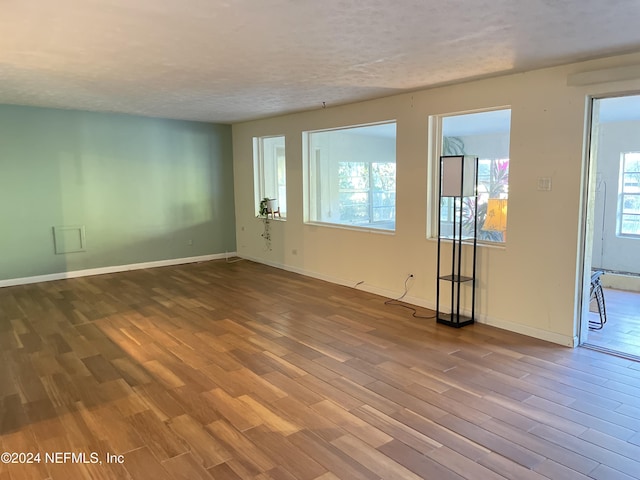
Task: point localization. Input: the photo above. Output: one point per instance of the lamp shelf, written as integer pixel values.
(456, 278)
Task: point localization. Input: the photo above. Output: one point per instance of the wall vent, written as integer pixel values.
(69, 239)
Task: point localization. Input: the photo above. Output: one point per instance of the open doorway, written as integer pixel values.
(612, 258)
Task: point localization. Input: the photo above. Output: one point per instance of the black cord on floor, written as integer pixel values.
(396, 302)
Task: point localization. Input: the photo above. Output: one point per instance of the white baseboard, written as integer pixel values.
(565, 340)
(328, 278)
(621, 282)
(113, 269)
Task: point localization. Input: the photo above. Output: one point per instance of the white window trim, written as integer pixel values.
(310, 185)
(259, 179)
(621, 195)
(433, 170)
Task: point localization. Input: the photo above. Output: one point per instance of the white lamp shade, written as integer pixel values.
(458, 176)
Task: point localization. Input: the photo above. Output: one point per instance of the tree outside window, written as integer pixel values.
(367, 192)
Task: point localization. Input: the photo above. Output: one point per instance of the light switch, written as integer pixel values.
(544, 184)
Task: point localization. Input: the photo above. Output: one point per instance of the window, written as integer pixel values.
(270, 171)
(351, 176)
(485, 135)
(629, 193)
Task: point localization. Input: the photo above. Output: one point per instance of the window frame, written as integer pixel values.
(260, 177)
(620, 214)
(436, 140)
(312, 174)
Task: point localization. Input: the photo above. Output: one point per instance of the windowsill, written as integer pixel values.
(342, 226)
(276, 219)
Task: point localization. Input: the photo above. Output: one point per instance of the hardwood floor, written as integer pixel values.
(621, 333)
(238, 370)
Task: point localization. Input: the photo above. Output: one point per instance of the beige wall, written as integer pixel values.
(530, 285)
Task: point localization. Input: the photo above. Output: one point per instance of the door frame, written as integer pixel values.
(587, 202)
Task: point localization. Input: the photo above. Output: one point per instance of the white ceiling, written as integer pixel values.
(234, 60)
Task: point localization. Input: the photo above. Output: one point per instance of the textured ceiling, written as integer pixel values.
(234, 60)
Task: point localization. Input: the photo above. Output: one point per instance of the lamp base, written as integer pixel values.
(454, 321)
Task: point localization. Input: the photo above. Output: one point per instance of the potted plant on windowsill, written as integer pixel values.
(268, 206)
(265, 208)
(262, 207)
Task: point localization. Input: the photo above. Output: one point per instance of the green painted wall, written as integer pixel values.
(145, 189)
